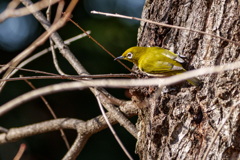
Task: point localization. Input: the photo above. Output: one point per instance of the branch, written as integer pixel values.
(89, 127)
(120, 117)
(20, 152)
(76, 148)
(64, 50)
(114, 83)
(52, 125)
(69, 77)
(37, 55)
(101, 46)
(112, 130)
(164, 24)
(51, 112)
(11, 10)
(14, 62)
(84, 129)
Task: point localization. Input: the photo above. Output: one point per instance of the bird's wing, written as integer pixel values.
(172, 56)
(159, 64)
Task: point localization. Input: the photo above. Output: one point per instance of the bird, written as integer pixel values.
(156, 61)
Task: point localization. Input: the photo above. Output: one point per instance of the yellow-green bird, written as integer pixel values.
(156, 61)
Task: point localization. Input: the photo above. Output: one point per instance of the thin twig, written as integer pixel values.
(101, 46)
(64, 50)
(39, 54)
(3, 130)
(48, 12)
(33, 46)
(57, 17)
(120, 117)
(37, 42)
(33, 71)
(164, 24)
(59, 11)
(52, 113)
(55, 61)
(20, 152)
(71, 77)
(10, 11)
(112, 130)
(113, 83)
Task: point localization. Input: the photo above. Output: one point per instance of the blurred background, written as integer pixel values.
(114, 34)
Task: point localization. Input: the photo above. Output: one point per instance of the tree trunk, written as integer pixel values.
(181, 124)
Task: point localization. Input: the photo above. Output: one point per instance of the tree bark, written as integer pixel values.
(180, 124)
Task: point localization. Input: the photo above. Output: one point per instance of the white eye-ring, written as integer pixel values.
(129, 55)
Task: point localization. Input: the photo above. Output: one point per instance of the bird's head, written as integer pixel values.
(132, 54)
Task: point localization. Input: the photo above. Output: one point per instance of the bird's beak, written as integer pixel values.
(120, 57)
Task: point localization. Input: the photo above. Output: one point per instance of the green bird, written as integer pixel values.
(156, 61)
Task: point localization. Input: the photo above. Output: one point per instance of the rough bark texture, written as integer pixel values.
(180, 124)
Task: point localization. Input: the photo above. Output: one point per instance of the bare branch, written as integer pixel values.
(77, 147)
(52, 125)
(37, 42)
(3, 130)
(10, 11)
(64, 50)
(89, 127)
(69, 77)
(101, 46)
(164, 24)
(112, 130)
(52, 113)
(57, 17)
(84, 129)
(39, 54)
(122, 120)
(113, 83)
(20, 152)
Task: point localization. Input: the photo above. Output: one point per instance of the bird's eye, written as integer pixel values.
(129, 55)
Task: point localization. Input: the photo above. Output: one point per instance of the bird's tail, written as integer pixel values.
(194, 81)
